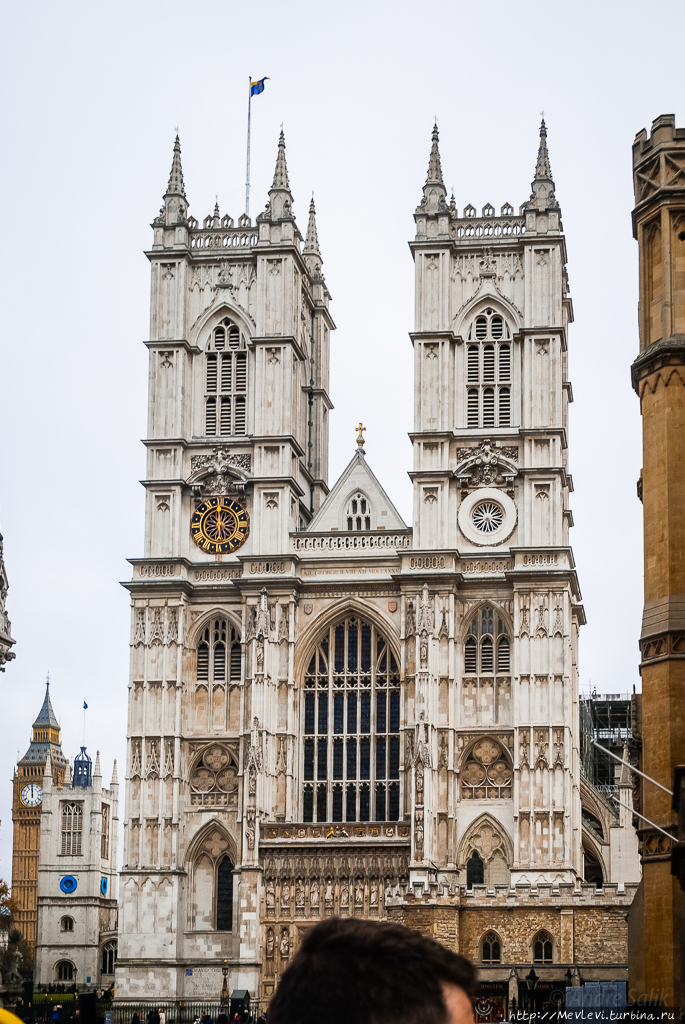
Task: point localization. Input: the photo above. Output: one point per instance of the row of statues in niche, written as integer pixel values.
(349, 893)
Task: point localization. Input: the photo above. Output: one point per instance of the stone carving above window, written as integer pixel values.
(487, 849)
(214, 778)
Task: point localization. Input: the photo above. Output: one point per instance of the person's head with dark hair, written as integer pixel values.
(365, 972)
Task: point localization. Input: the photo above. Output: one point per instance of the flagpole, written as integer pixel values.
(247, 178)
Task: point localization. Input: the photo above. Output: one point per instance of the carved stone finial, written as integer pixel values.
(360, 437)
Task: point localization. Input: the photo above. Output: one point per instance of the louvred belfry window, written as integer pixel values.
(219, 652)
(488, 365)
(225, 383)
(71, 829)
(351, 718)
(487, 646)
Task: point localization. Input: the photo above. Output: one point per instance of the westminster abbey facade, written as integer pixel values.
(332, 711)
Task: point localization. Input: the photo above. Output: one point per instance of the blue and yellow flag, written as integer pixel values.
(257, 87)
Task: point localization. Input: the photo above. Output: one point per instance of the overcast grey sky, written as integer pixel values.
(92, 94)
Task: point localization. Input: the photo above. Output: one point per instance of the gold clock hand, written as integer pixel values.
(218, 522)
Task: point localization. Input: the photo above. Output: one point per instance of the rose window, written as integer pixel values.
(214, 780)
(487, 516)
(486, 774)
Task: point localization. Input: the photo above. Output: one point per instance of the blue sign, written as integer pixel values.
(189, 971)
(68, 884)
(103, 886)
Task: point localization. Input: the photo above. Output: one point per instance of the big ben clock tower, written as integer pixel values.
(27, 798)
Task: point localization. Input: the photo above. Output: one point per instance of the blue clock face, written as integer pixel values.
(103, 886)
(68, 884)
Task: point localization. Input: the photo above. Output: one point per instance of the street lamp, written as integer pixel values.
(532, 980)
(569, 977)
(224, 987)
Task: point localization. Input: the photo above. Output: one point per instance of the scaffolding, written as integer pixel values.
(608, 721)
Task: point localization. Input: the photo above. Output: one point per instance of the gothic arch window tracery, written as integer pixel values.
(71, 829)
(486, 772)
(487, 853)
(214, 778)
(543, 948)
(108, 958)
(64, 970)
(491, 948)
(488, 371)
(351, 727)
(487, 647)
(212, 863)
(358, 513)
(225, 382)
(219, 653)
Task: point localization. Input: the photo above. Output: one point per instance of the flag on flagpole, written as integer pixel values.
(258, 86)
(84, 705)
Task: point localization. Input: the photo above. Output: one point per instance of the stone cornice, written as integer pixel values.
(666, 352)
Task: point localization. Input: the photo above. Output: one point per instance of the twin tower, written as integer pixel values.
(328, 708)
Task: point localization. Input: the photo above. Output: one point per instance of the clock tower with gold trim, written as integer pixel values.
(27, 799)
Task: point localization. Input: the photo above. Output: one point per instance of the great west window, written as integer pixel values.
(351, 710)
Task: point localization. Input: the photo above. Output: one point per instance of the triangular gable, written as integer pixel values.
(357, 477)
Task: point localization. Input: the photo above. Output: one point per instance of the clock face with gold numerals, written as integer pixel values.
(220, 525)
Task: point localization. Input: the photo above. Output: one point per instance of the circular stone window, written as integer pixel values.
(487, 517)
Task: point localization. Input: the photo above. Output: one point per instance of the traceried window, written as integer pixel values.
(491, 949)
(225, 382)
(486, 772)
(109, 955)
(351, 710)
(104, 844)
(488, 372)
(358, 513)
(219, 654)
(543, 948)
(72, 829)
(487, 650)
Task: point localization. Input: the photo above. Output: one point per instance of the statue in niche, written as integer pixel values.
(299, 893)
(329, 890)
(285, 893)
(373, 898)
(270, 895)
(344, 895)
(270, 942)
(285, 944)
(314, 894)
(359, 893)
(419, 782)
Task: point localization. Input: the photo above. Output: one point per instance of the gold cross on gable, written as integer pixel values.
(360, 434)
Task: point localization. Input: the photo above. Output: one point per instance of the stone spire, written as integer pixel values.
(175, 203)
(47, 774)
(434, 176)
(311, 251)
(434, 191)
(542, 185)
(96, 769)
(281, 172)
(176, 186)
(115, 777)
(311, 244)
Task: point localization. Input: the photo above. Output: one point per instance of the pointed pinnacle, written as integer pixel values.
(96, 769)
(115, 777)
(281, 172)
(47, 774)
(311, 244)
(434, 176)
(542, 169)
(176, 186)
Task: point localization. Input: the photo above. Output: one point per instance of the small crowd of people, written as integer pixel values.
(158, 1016)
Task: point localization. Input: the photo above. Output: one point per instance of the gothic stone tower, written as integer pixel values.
(77, 877)
(27, 798)
(335, 713)
(6, 641)
(658, 376)
(237, 461)
(491, 503)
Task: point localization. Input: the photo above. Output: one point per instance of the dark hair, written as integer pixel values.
(349, 971)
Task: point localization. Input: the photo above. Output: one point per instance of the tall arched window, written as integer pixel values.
(358, 513)
(67, 924)
(488, 366)
(487, 647)
(224, 896)
(351, 711)
(226, 382)
(491, 949)
(219, 654)
(109, 955)
(72, 829)
(543, 948)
